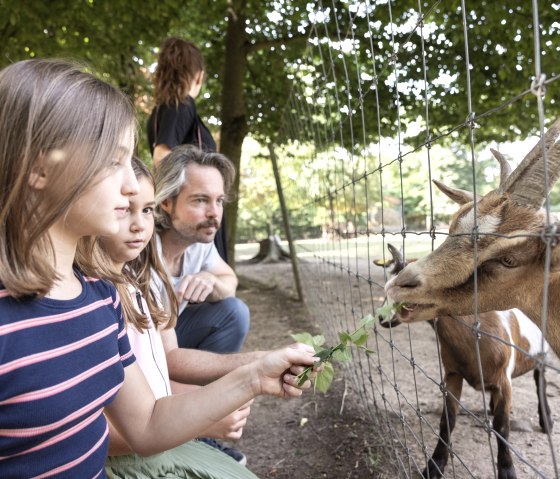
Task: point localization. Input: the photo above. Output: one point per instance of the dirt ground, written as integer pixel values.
(330, 436)
(317, 435)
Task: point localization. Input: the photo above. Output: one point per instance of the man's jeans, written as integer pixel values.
(218, 327)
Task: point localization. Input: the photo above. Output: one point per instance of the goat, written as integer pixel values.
(500, 362)
(499, 241)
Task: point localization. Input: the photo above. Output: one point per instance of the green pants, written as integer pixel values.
(192, 460)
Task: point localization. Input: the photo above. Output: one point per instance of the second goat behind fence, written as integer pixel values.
(508, 345)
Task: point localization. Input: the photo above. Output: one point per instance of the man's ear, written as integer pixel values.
(167, 205)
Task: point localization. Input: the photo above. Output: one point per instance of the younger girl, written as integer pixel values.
(66, 141)
(130, 259)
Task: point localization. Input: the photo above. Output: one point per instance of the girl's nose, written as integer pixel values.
(136, 224)
(130, 183)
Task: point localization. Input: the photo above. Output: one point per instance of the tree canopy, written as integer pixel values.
(282, 70)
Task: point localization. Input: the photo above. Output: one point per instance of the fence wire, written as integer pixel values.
(380, 102)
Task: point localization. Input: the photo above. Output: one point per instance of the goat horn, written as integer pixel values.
(398, 259)
(455, 194)
(395, 253)
(505, 168)
(526, 184)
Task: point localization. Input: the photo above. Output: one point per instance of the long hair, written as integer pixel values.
(64, 122)
(139, 273)
(178, 63)
(171, 176)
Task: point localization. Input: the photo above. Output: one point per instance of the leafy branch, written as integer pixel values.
(387, 312)
(340, 352)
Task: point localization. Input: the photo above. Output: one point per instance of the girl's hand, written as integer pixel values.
(231, 426)
(276, 372)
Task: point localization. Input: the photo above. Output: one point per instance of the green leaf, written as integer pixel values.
(367, 321)
(343, 354)
(389, 310)
(344, 337)
(324, 354)
(359, 337)
(304, 375)
(306, 338)
(324, 378)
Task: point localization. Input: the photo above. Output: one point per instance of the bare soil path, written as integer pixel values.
(308, 437)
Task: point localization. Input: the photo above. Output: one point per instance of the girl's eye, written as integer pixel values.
(148, 210)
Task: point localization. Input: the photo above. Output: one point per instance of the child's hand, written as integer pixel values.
(276, 372)
(231, 426)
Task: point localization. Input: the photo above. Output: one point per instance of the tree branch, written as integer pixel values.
(276, 42)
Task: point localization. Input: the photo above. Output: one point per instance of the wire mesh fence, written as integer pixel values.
(390, 96)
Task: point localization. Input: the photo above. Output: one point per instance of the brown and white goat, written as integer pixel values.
(499, 241)
(501, 333)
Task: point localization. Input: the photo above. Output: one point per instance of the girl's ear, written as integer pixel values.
(38, 177)
(199, 78)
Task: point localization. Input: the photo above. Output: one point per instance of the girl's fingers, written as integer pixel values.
(291, 390)
(293, 380)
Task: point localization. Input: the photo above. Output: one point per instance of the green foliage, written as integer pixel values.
(329, 112)
(340, 352)
(388, 311)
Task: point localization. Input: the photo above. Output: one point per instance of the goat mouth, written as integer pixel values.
(409, 312)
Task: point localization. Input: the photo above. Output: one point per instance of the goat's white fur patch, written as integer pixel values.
(503, 316)
(486, 224)
(531, 332)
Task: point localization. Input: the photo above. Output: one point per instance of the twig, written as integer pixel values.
(343, 398)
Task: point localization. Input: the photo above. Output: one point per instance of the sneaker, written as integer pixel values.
(233, 453)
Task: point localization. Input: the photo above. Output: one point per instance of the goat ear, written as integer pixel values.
(458, 196)
(384, 264)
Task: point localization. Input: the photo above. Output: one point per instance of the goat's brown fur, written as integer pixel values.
(498, 331)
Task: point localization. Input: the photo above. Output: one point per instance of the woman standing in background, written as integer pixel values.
(174, 120)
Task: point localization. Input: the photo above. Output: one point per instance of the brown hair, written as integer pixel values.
(54, 117)
(171, 176)
(178, 63)
(139, 273)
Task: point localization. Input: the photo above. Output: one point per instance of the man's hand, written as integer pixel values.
(195, 288)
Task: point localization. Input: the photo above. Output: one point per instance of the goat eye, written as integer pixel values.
(508, 261)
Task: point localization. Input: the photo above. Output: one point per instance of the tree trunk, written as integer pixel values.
(234, 116)
(270, 251)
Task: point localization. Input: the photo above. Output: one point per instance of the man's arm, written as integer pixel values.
(193, 366)
(212, 285)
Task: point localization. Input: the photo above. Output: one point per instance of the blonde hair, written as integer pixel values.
(94, 260)
(57, 119)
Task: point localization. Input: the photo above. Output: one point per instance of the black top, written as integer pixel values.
(178, 125)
